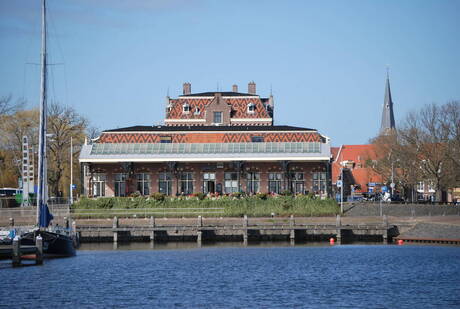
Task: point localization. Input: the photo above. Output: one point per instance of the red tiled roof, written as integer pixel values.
(239, 107)
(358, 154)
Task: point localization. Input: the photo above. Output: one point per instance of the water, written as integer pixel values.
(349, 276)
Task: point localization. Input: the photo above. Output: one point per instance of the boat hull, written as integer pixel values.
(54, 244)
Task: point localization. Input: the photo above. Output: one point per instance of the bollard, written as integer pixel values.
(16, 251)
(115, 232)
(152, 225)
(338, 221)
(11, 221)
(39, 253)
(200, 221)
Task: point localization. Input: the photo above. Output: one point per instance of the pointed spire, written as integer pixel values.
(388, 119)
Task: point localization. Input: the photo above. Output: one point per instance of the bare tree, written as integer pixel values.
(64, 123)
(7, 107)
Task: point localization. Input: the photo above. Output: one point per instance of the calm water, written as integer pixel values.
(350, 276)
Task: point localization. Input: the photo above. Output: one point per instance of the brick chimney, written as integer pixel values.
(187, 88)
(252, 88)
(235, 88)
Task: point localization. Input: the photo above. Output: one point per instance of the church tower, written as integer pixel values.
(388, 118)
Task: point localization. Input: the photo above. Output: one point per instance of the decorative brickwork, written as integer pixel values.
(208, 137)
(239, 108)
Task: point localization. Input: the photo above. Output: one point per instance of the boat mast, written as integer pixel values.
(42, 166)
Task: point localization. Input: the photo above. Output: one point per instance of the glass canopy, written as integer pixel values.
(203, 148)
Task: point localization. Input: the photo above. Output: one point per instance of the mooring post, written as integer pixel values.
(245, 230)
(199, 235)
(292, 233)
(39, 253)
(16, 251)
(200, 221)
(152, 225)
(11, 221)
(338, 225)
(385, 229)
(115, 227)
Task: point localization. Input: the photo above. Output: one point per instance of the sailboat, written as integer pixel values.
(56, 242)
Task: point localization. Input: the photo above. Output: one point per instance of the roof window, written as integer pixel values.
(186, 108)
(251, 108)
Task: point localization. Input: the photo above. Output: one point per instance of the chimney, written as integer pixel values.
(187, 89)
(252, 88)
(235, 88)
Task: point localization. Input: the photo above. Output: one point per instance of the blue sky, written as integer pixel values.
(325, 60)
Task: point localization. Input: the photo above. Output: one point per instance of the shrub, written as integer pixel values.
(286, 193)
(157, 196)
(135, 194)
(200, 195)
(105, 202)
(262, 196)
(236, 194)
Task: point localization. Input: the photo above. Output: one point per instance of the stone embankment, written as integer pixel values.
(399, 210)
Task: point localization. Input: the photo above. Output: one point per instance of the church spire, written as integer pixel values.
(388, 119)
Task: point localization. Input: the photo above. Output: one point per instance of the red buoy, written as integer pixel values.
(331, 240)
(400, 241)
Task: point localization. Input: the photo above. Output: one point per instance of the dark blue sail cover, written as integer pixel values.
(45, 215)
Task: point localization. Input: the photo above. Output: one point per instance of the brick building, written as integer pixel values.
(212, 142)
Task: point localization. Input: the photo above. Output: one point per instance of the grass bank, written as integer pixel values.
(223, 206)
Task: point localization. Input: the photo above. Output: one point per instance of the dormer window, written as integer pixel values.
(197, 111)
(251, 108)
(185, 108)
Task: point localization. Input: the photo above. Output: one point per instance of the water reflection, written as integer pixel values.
(194, 245)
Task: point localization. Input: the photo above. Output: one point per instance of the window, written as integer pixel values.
(217, 117)
(165, 183)
(274, 182)
(253, 182)
(98, 181)
(120, 184)
(185, 108)
(421, 186)
(231, 182)
(251, 108)
(319, 182)
(197, 111)
(257, 139)
(186, 183)
(165, 139)
(143, 183)
(297, 183)
(209, 182)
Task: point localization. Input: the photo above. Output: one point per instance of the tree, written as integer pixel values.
(64, 123)
(8, 108)
(425, 148)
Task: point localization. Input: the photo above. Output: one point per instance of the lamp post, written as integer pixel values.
(341, 190)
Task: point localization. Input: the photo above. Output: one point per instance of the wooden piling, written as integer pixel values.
(292, 232)
(245, 230)
(199, 235)
(16, 251)
(338, 225)
(200, 221)
(39, 253)
(152, 225)
(115, 227)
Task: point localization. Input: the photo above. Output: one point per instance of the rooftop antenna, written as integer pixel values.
(271, 92)
(167, 92)
(217, 86)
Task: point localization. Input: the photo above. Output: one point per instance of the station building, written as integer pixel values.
(211, 142)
